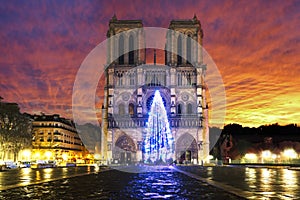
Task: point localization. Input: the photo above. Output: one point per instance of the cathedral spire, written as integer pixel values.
(195, 17)
(114, 18)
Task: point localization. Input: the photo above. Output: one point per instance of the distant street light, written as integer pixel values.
(65, 156)
(48, 154)
(266, 154)
(97, 156)
(251, 157)
(26, 154)
(290, 154)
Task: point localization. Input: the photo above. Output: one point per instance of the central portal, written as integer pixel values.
(159, 140)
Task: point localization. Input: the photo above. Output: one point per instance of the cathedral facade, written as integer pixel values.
(130, 85)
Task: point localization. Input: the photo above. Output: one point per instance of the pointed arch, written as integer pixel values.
(131, 50)
(187, 141)
(179, 109)
(186, 148)
(121, 108)
(126, 143)
(121, 50)
(131, 109)
(179, 50)
(188, 49)
(189, 108)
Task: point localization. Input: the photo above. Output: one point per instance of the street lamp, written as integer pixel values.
(48, 154)
(290, 154)
(266, 155)
(97, 156)
(65, 156)
(250, 157)
(26, 154)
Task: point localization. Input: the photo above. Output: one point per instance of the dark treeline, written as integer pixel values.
(235, 140)
(277, 132)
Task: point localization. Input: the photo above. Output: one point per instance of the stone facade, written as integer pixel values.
(131, 84)
(56, 138)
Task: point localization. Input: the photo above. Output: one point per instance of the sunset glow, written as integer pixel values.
(254, 44)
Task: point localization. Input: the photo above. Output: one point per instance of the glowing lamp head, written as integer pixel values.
(64, 156)
(48, 154)
(250, 156)
(97, 156)
(290, 153)
(26, 153)
(266, 154)
(37, 155)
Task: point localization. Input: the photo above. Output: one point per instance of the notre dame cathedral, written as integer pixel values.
(130, 85)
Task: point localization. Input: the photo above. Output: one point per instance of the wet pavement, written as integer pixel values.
(163, 183)
(26, 176)
(253, 183)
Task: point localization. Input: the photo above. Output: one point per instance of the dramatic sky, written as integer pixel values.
(255, 44)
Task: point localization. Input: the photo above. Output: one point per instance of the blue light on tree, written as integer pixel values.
(159, 141)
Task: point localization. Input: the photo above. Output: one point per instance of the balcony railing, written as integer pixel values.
(128, 122)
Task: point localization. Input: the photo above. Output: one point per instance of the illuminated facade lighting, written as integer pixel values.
(56, 138)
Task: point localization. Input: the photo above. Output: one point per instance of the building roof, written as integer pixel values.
(54, 118)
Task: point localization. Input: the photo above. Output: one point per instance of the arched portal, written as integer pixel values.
(186, 149)
(125, 149)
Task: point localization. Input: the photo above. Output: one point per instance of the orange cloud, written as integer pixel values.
(254, 44)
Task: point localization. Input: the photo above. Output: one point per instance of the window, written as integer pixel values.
(131, 51)
(132, 78)
(121, 50)
(56, 133)
(189, 108)
(121, 109)
(179, 50)
(179, 109)
(131, 109)
(189, 79)
(188, 49)
(120, 79)
(179, 79)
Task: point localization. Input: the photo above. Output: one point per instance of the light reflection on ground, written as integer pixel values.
(156, 181)
(262, 183)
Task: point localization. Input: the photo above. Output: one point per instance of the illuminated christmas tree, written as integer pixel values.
(159, 141)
